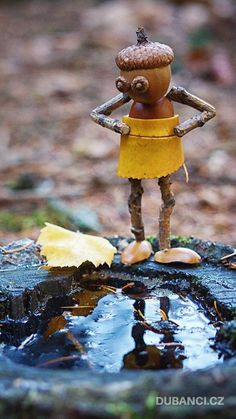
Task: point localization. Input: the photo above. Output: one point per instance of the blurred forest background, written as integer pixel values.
(57, 64)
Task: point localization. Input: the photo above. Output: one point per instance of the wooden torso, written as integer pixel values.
(163, 108)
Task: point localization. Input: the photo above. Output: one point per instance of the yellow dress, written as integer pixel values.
(150, 150)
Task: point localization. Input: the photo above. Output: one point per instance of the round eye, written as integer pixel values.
(140, 84)
(122, 84)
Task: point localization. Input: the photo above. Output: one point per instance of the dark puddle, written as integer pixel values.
(108, 329)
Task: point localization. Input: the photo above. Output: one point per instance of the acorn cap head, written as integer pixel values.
(144, 55)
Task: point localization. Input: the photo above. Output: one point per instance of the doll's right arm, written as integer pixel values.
(100, 114)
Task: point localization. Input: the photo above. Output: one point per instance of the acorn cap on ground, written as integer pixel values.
(144, 55)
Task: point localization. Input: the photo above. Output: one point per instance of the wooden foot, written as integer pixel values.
(177, 254)
(136, 252)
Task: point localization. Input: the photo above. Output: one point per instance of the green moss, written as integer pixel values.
(17, 222)
(151, 400)
(182, 239)
(125, 410)
(150, 405)
(151, 239)
(120, 409)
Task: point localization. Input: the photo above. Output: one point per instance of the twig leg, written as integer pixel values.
(165, 212)
(135, 200)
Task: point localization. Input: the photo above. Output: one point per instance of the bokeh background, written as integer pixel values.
(57, 64)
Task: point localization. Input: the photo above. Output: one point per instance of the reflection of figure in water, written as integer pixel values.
(149, 356)
(171, 357)
(143, 356)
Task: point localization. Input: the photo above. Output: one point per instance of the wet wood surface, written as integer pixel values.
(26, 391)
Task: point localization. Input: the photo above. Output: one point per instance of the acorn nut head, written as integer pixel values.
(145, 69)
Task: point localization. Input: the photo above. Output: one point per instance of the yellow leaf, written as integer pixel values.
(64, 248)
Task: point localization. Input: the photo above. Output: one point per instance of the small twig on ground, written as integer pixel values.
(226, 262)
(182, 297)
(75, 342)
(6, 259)
(17, 249)
(76, 307)
(217, 311)
(56, 360)
(127, 286)
(108, 288)
(228, 256)
(78, 346)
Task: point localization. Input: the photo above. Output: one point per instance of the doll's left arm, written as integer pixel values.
(179, 94)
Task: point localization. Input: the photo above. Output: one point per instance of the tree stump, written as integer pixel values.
(27, 392)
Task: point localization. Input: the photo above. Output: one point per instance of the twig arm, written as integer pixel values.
(180, 95)
(100, 114)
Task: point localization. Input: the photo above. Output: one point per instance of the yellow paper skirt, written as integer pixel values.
(151, 149)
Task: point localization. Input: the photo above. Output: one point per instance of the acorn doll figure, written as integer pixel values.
(151, 145)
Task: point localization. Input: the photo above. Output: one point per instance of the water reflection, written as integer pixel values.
(106, 329)
(145, 356)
